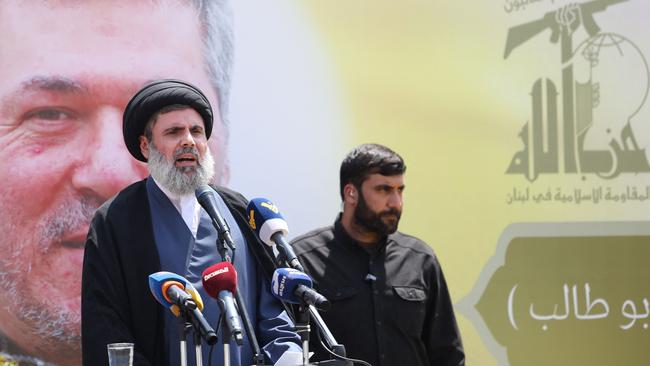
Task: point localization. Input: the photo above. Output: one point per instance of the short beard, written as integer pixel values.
(52, 326)
(184, 180)
(371, 221)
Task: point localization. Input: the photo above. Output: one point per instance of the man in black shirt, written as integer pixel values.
(390, 303)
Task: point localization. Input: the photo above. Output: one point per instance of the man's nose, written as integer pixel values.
(395, 200)
(105, 165)
(187, 140)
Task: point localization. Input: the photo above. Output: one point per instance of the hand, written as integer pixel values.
(569, 18)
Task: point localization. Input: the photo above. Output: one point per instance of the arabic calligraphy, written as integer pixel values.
(578, 304)
(517, 5)
(578, 195)
(554, 139)
(633, 315)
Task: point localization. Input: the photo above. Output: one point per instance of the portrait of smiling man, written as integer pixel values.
(67, 70)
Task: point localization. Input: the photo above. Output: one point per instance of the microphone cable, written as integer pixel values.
(353, 360)
(210, 355)
(216, 330)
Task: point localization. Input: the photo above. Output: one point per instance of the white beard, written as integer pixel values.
(184, 180)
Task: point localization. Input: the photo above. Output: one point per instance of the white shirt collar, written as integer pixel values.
(186, 205)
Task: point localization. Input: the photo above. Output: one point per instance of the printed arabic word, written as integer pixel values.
(579, 195)
(581, 308)
(516, 5)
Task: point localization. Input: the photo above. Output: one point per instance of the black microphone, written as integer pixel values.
(269, 225)
(207, 200)
(287, 251)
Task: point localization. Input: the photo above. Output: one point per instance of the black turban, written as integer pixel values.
(152, 98)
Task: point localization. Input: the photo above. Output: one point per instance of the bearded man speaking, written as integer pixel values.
(157, 225)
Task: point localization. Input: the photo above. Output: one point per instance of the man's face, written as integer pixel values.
(380, 203)
(66, 74)
(178, 154)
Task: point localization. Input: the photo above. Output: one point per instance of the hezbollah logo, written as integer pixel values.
(251, 220)
(584, 127)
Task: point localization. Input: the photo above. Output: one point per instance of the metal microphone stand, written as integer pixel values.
(197, 349)
(250, 333)
(337, 349)
(302, 328)
(184, 327)
(329, 339)
(224, 241)
(226, 335)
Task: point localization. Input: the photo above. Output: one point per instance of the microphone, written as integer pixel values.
(207, 200)
(295, 287)
(220, 282)
(178, 294)
(269, 225)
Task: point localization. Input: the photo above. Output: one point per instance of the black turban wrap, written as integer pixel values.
(152, 98)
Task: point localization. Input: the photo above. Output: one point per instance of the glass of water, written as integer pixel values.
(120, 354)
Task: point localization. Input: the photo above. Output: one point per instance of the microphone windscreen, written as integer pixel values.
(160, 282)
(285, 281)
(265, 219)
(219, 277)
(190, 289)
(157, 286)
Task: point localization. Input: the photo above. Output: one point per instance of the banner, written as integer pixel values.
(524, 124)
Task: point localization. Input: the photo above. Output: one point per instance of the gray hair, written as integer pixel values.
(217, 30)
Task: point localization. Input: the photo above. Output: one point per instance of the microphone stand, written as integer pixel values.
(222, 248)
(330, 341)
(197, 349)
(184, 327)
(226, 335)
(250, 333)
(224, 241)
(302, 328)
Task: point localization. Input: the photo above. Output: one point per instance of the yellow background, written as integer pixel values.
(428, 79)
